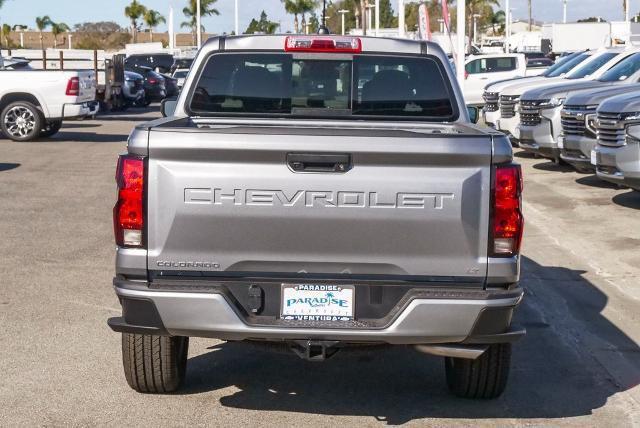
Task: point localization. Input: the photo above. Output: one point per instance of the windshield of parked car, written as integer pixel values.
(566, 64)
(591, 67)
(367, 85)
(623, 69)
(180, 74)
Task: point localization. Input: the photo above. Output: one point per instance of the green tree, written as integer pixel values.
(5, 41)
(387, 18)
(263, 26)
(100, 35)
(299, 7)
(42, 22)
(134, 12)
(335, 24)
(153, 18)
(314, 23)
(191, 12)
(58, 28)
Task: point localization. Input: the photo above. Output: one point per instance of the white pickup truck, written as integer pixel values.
(33, 103)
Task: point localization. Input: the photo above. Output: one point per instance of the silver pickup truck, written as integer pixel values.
(617, 154)
(318, 193)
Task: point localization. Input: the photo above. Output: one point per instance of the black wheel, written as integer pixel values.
(21, 121)
(51, 128)
(483, 378)
(154, 364)
(143, 102)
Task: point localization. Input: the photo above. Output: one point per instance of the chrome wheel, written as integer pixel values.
(20, 122)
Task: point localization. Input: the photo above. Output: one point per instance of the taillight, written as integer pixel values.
(323, 44)
(507, 222)
(128, 213)
(153, 81)
(73, 87)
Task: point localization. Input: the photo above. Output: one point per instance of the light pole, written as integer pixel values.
(564, 11)
(377, 6)
(69, 36)
(199, 30)
(342, 12)
(369, 20)
(507, 27)
(475, 28)
(172, 44)
(236, 19)
(460, 70)
(441, 22)
(401, 22)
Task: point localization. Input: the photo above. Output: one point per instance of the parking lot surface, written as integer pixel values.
(579, 365)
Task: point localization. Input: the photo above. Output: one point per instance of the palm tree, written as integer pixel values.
(58, 28)
(293, 8)
(153, 18)
(191, 12)
(4, 33)
(498, 18)
(306, 6)
(42, 22)
(134, 12)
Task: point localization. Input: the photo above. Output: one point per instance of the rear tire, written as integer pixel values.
(21, 121)
(482, 378)
(51, 128)
(154, 364)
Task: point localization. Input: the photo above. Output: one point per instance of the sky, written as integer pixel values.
(76, 11)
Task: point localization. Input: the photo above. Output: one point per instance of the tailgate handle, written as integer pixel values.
(319, 162)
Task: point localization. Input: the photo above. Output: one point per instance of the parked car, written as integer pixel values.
(171, 86)
(154, 85)
(180, 75)
(492, 92)
(540, 109)
(617, 153)
(133, 88)
(591, 68)
(481, 70)
(261, 209)
(579, 132)
(33, 103)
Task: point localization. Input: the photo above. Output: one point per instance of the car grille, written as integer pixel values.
(573, 120)
(508, 106)
(611, 129)
(138, 84)
(530, 113)
(491, 101)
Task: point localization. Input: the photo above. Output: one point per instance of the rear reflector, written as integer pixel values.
(323, 44)
(128, 213)
(73, 87)
(507, 222)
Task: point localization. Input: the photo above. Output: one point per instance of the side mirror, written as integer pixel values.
(168, 106)
(474, 114)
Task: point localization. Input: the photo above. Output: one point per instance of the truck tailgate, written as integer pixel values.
(87, 86)
(227, 200)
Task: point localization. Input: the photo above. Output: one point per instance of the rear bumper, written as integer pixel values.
(74, 111)
(451, 316)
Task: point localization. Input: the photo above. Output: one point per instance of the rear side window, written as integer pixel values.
(492, 65)
(307, 86)
(591, 67)
(623, 70)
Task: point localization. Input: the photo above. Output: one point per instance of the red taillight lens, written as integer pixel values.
(152, 81)
(323, 44)
(73, 87)
(128, 214)
(507, 222)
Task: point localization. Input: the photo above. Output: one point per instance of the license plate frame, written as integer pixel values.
(594, 158)
(316, 304)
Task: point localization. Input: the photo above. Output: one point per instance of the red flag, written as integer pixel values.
(424, 25)
(445, 15)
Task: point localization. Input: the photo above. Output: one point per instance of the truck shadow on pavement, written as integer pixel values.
(594, 181)
(554, 372)
(8, 166)
(628, 200)
(84, 137)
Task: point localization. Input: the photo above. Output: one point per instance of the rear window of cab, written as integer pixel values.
(281, 84)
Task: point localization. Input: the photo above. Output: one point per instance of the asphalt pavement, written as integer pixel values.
(579, 364)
